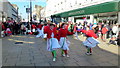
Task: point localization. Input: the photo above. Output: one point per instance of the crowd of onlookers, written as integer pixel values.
(103, 31)
(22, 28)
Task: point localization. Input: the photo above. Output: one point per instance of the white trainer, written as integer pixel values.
(54, 59)
(87, 53)
(68, 56)
(63, 55)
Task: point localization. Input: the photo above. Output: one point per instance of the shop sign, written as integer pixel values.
(100, 8)
(77, 12)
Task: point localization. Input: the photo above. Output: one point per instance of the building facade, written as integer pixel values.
(55, 7)
(37, 13)
(43, 14)
(15, 14)
(76, 10)
(1, 11)
(9, 11)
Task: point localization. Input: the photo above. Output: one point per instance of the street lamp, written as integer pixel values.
(40, 14)
(3, 16)
(30, 11)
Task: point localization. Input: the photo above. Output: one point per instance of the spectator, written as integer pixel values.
(33, 28)
(115, 30)
(96, 30)
(8, 32)
(104, 32)
(22, 29)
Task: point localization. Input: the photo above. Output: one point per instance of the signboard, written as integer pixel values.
(27, 10)
(99, 8)
(76, 12)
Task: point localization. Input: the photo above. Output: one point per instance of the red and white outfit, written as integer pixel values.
(33, 28)
(52, 41)
(63, 39)
(91, 40)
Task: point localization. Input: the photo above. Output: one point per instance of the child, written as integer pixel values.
(52, 41)
(63, 40)
(90, 41)
(39, 29)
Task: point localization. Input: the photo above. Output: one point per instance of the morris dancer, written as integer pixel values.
(63, 40)
(52, 41)
(39, 29)
(91, 40)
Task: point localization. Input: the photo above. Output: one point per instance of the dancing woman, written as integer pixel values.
(52, 41)
(63, 40)
(91, 40)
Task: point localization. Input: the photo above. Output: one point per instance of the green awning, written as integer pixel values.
(100, 8)
(119, 6)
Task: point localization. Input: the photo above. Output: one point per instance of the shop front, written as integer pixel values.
(106, 11)
(110, 17)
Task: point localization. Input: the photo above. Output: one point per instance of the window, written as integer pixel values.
(76, 2)
(79, 3)
(65, 0)
(70, 4)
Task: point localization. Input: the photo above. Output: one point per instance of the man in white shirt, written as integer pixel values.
(115, 30)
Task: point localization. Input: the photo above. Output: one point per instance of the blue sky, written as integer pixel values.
(21, 5)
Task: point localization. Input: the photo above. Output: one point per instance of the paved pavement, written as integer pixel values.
(33, 53)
